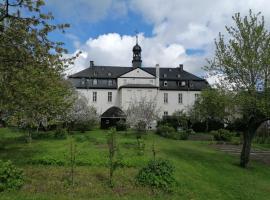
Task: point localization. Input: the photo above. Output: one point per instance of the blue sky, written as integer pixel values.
(171, 32)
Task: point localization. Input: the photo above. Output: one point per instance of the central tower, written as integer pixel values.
(137, 50)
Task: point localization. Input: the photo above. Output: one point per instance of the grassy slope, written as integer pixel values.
(201, 171)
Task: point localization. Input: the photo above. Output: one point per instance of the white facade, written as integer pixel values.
(135, 85)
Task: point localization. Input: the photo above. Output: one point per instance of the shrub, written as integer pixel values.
(165, 131)
(157, 174)
(121, 125)
(47, 160)
(83, 126)
(60, 133)
(169, 132)
(222, 135)
(11, 178)
(183, 135)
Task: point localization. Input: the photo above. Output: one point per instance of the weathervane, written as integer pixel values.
(136, 32)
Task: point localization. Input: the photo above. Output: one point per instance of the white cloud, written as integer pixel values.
(177, 26)
(113, 49)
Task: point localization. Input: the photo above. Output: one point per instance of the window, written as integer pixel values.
(197, 96)
(109, 96)
(109, 82)
(165, 75)
(180, 98)
(165, 113)
(94, 96)
(95, 82)
(183, 83)
(165, 83)
(109, 74)
(165, 97)
(178, 75)
(83, 81)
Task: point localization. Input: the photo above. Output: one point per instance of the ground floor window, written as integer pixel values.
(109, 96)
(94, 96)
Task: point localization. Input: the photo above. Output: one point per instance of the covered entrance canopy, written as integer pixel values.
(111, 116)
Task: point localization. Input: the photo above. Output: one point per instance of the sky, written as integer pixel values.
(171, 32)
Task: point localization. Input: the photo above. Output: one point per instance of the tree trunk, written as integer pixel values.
(245, 154)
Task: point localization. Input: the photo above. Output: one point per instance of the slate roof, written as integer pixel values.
(171, 75)
(113, 112)
(115, 72)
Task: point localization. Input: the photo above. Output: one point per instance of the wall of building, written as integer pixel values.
(123, 97)
(129, 95)
(102, 103)
(188, 99)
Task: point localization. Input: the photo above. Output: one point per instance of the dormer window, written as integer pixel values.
(83, 81)
(178, 75)
(165, 75)
(109, 74)
(165, 83)
(95, 82)
(183, 83)
(110, 82)
(170, 70)
(95, 73)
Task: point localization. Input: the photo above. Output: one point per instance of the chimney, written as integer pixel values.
(157, 75)
(181, 67)
(91, 63)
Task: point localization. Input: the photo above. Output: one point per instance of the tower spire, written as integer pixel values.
(137, 61)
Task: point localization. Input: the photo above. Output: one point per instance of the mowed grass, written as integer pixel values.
(202, 172)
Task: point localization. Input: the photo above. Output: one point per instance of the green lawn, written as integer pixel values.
(201, 171)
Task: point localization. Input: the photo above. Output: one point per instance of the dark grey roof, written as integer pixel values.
(113, 112)
(105, 73)
(115, 72)
(138, 86)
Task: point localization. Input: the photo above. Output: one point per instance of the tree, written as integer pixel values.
(32, 85)
(244, 61)
(81, 115)
(212, 105)
(141, 113)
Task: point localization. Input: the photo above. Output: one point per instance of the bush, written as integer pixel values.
(165, 131)
(60, 133)
(121, 125)
(157, 174)
(83, 126)
(47, 160)
(222, 135)
(169, 132)
(11, 178)
(183, 135)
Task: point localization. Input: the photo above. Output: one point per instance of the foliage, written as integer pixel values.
(141, 113)
(244, 62)
(157, 174)
(223, 135)
(11, 178)
(60, 133)
(121, 125)
(81, 116)
(212, 105)
(182, 119)
(33, 89)
(169, 132)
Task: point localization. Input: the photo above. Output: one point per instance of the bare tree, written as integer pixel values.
(142, 113)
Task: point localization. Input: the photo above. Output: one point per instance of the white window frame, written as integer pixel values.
(166, 98)
(94, 97)
(95, 81)
(110, 82)
(110, 97)
(165, 113)
(180, 98)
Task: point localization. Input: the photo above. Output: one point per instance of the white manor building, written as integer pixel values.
(114, 86)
